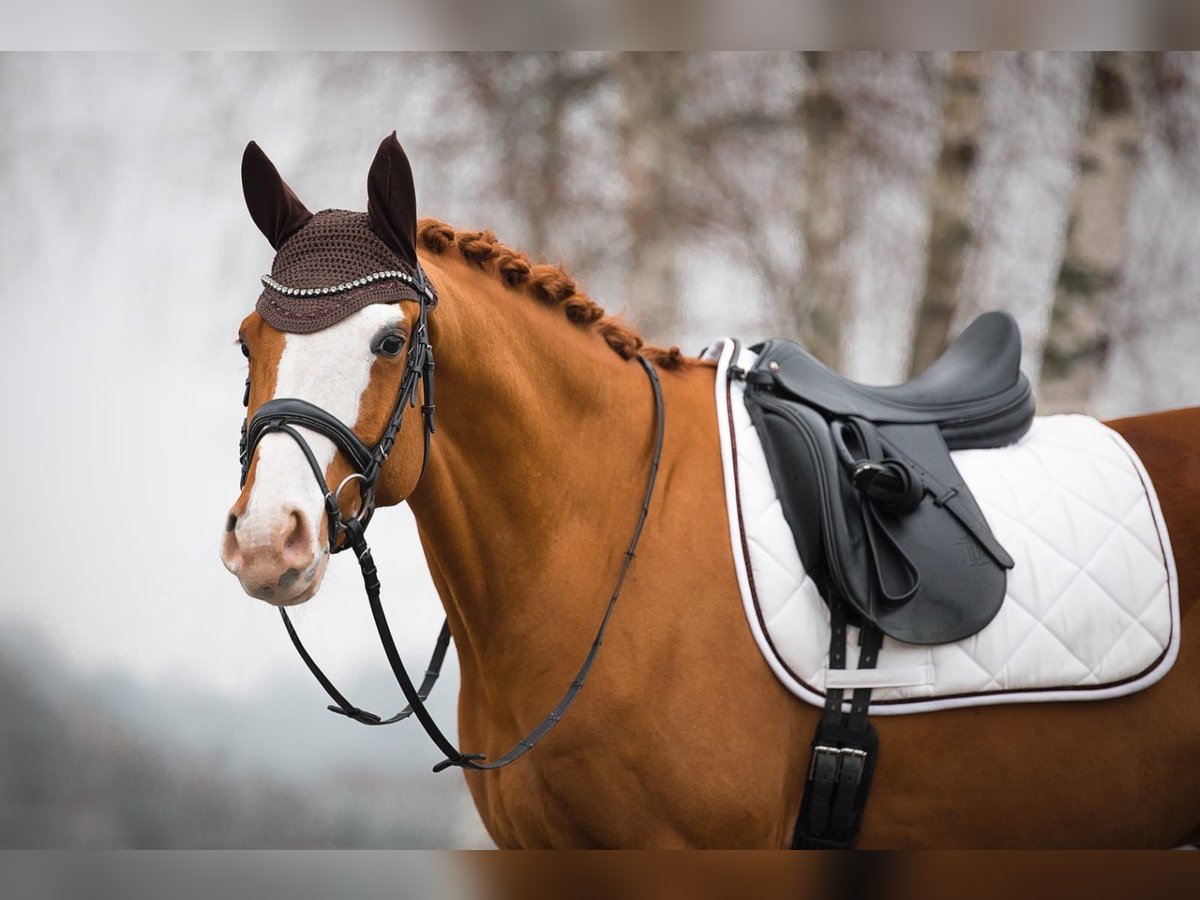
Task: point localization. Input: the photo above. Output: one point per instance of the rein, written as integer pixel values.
(283, 414)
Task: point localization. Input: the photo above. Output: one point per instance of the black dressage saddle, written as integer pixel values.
(881, 517)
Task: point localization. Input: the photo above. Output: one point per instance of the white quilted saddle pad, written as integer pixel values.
(1091, 609)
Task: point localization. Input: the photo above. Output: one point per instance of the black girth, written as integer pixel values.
(286, 413)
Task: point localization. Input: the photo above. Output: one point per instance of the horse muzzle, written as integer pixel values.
(275, 559)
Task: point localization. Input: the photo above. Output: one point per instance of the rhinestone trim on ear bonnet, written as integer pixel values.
(333, 266)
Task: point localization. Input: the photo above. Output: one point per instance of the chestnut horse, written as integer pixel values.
(683, 737)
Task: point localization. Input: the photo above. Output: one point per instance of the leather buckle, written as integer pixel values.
(821, 752)
(839, 755)
(358, 715)
(890, 484)
(463, 761)
(865, 472)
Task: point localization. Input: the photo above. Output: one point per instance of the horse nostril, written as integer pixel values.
(231, 552)
(297, 541)
(298, 534)
(230, 523)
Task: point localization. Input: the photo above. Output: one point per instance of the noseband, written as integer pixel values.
(286, 414)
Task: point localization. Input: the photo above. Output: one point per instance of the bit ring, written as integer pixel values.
(337, 495)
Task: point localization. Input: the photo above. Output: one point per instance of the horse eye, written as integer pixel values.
(390, 345)
(245, 349)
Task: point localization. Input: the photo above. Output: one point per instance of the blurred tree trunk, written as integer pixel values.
(1078, 339)
(824, 297)
(545, 196)
(950, 229)
(1152, 360)
(894, 102)
(653, 149)
(1034, 104)
(527, 97)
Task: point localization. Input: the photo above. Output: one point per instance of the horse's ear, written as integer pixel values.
(276, 210)
(392, 199)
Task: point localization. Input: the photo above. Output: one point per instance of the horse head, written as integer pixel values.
(337, 349)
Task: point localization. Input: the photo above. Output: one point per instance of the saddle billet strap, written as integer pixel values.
(843, 751)
(854, 775)
(824, 760)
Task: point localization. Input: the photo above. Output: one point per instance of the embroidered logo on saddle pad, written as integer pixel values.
(1091, 607)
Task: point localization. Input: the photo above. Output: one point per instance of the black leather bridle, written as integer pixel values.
(284, 414)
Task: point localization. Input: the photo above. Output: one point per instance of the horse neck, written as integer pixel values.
(536, 471)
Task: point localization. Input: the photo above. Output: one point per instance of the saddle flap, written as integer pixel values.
(915, 556)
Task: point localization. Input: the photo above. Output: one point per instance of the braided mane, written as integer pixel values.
(548, 283)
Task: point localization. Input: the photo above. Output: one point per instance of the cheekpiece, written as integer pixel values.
(334, 266)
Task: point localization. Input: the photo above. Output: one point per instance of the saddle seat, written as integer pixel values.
(974, 392)
(880, 514)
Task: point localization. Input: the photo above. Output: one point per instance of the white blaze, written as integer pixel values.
(330, 369)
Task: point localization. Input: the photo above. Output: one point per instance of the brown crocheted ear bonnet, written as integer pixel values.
(334, 263)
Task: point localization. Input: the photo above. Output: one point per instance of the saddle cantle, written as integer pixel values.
(880, 515)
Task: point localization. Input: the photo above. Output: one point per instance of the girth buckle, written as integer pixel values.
(838, 753)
